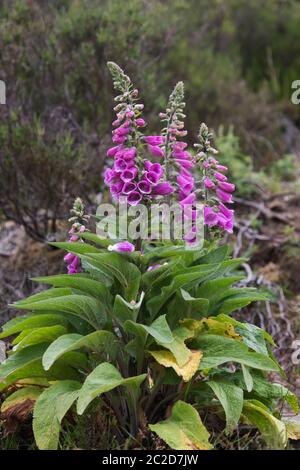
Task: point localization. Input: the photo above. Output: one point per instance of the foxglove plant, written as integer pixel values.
(147, 334)
(78, 219)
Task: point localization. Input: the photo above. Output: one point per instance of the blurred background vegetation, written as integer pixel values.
(237, 58)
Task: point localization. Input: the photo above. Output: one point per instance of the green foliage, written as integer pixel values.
(150, 335)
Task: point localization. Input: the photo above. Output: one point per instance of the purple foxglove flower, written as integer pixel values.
(225, 224)
(140, 122)
(129, 174)
(154, 139)
(120, 164)
(156, 151)
(128, 188)
(151, 177)
(224, 197)
(186, 189)
(187, 164)
(227, 186)
(189, 200)
(116, 188)
(116, 123)
(229, 213)
(206, 165)
(122, 247)
(222, 168)
(120, 131)
(208, 183)
(129, 153)
(144, 187)
(162, 189)
(182, 154)
(118, 139)
(129, 114)
(219, 176)
(134, 198)
(178, 146)
(155, 167)
(210, 216)
(153, 267)
(69, 257)
(112, 151)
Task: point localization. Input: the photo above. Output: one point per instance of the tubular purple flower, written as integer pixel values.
(227, 186)
(208, 183)
(210, 216)
(122, 247)
(134, 198)
(224, 197)
(162, 189)
(140, 122)
(154, 139)
(144, 187)
(156, 151)
(129, 174)
(151, 176)
(219, 176)
(128, 188)
(111, 152)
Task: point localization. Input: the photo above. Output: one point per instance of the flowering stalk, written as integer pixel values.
(217, 190)
(78, 220)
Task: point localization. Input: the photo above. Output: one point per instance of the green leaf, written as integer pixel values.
(184, 430)
(44, 295)
(83, 306)
(159, 329)
(47, 334)
(98, 341)
(123, 310)
(247, 378)
(195, 307)
(126, 273)
(231, 398)
(31, 321)
(104, 378)
(219, 349)
(79, 282)
(192, 275)
(272, 429)
(49, 410)
(28, 363)
(214, 256)
(77, 248)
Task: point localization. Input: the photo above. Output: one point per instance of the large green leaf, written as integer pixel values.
(272, 429)
(46, 334)
(184, 429)
(77, 248)
(49, 410)
(104, 378)
(31, 321)
(125, 272)
(159, 329)
(43, 295)
(28, 363)
(79, 282)
(231, 398)
(85, 307)
(219, 349)
(192, 275)
(98, 341)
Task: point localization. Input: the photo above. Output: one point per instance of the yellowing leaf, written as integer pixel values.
(184, 429)
(167, 359)
(20, 396)
(210, 325)
(292, 425)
